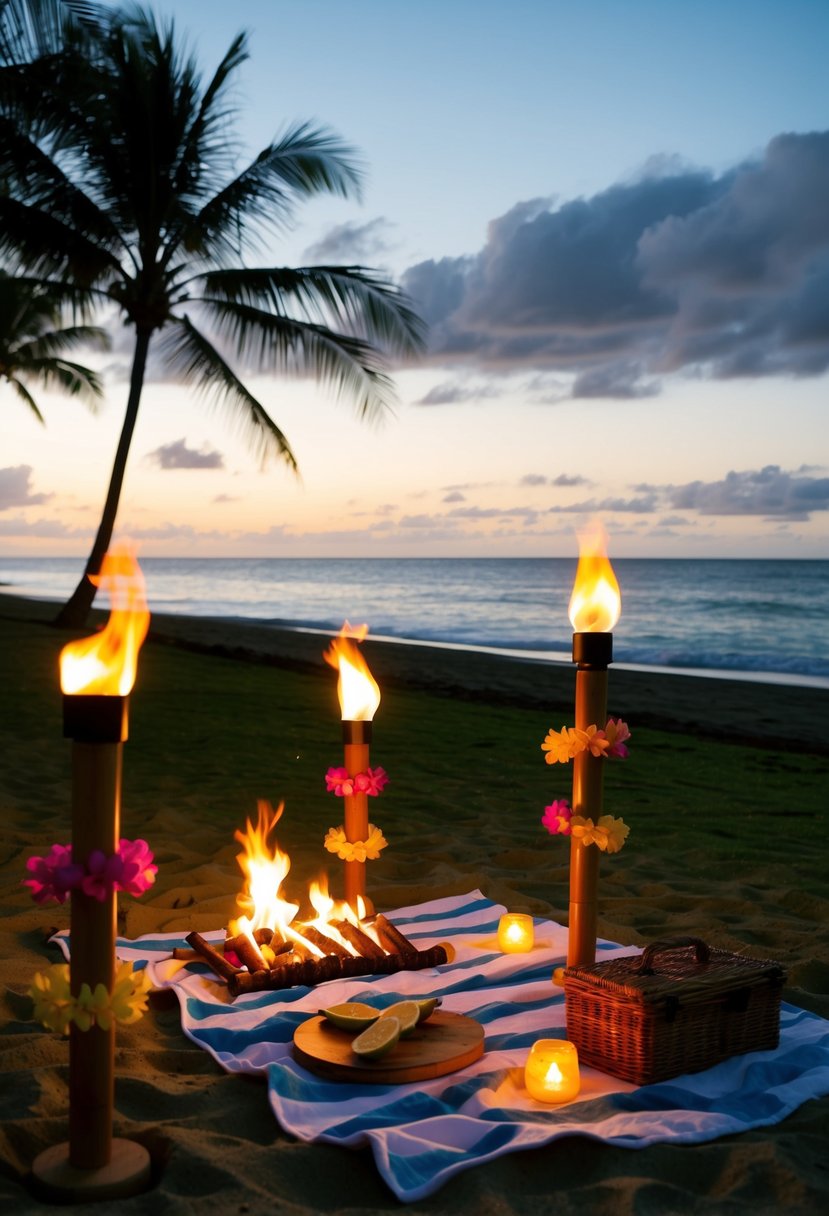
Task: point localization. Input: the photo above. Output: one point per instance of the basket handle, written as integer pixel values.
(671, 943)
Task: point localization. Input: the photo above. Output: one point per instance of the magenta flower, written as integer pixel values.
(138, 873)
(54, 875)
(556, 818)
(372, 781)
(103, 874)
(617, 733)
(338, 781)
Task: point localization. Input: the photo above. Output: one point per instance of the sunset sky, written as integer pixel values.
(613, 216)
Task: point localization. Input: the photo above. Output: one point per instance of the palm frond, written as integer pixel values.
(351, 298)
(286, 345)
(27, 397)
(44, 245)
(189, 354)
(70, 378)
(51, 345)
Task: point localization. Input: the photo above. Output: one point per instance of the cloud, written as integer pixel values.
(177, 455)
(226, 498)
(771, 492)
(51, 528)
(455, 496)
(563, 479)
(450, 393)
(643, 505)
(351, 242)
(15, 488)
(678, 270)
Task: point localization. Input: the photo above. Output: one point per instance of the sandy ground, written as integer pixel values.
(214, 1143)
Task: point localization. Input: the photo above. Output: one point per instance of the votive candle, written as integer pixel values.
(515, 933)
(552, 1071)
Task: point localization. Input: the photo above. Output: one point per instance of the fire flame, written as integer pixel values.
(554, 1075)
(356, 687)
(105, 664)
(596, 602)
(265, 867)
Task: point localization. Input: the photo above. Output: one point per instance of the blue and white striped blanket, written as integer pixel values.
(422, 1134)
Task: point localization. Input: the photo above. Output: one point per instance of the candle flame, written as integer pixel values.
(596, 602)
(356, 687)
(105, 664)
(554, 1075)
(515, 932)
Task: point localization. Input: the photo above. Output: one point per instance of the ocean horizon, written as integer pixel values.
(756, 619)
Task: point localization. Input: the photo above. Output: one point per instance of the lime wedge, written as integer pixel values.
(427, 1007)
(407, 1014)
(351, 1015)
(378, 1039)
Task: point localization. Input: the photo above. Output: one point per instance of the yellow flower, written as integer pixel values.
(560, 745)
(584, 830)
(92, 1008)
(52, 998)
(376, 841)
(617, 832)
(593, 739)
(129, 995)
(336, 842)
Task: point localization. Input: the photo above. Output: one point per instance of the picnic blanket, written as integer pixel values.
(422, 1134)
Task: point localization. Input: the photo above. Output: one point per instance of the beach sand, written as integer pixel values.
(215, 1145)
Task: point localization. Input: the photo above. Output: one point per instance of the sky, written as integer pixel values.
(612, 216)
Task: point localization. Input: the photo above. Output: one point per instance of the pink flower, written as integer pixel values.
(103, 874)
(617, 733)
(138, 873)
(338, 781)
(54, 875)
(372, 781)
(556, 818)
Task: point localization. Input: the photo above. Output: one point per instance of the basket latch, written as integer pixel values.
(646, 963)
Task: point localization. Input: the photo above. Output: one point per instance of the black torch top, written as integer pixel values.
(355, 731)
(593, 651)
(95, 718)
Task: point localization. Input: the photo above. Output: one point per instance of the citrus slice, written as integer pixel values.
(426, 1007)
(351, 1015)
(380, 1037)
(407, 1014)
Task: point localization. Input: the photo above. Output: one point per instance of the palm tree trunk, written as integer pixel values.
(75, 611)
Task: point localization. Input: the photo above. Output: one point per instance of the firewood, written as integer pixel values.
(220, 966)
(317, 971)
(391, 937)
(362, 943)
(323, 942)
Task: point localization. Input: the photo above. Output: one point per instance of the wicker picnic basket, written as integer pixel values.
(678, 1007)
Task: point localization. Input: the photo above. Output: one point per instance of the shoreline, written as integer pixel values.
(748, 712)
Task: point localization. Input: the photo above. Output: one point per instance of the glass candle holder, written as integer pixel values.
(515, 933)
(552, 1071)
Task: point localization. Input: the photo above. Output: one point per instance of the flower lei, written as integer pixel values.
(607, 833)
(355, 850)
(340, 782)
(57, 1008)
(130, 869)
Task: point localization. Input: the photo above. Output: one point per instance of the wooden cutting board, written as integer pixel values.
(442, 1044)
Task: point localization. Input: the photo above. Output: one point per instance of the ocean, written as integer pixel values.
(761, 620)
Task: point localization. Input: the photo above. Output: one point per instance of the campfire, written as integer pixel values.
(268, 948)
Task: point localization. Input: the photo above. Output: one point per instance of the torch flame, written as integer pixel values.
(105, 664)
(596, 602)
(356, 687)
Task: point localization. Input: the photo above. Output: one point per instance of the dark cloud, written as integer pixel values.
(450, 393)
(177, 455)
(678, 270)
(351, 242)
(770, 491)
(16, 488)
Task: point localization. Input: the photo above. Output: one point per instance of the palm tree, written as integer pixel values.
(117, 175)
(34, 340)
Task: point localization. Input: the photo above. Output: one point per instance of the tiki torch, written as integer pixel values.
(595, 605)
(359, 697)
(96, 675)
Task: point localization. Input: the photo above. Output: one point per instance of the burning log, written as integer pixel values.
(317, 971)
(217, 964)
(391, 937)
(265, 937)
(362, 943)
(323, 942)
(248, 953)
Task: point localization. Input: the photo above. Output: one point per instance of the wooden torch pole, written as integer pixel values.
(356, 739)
(592, 652)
